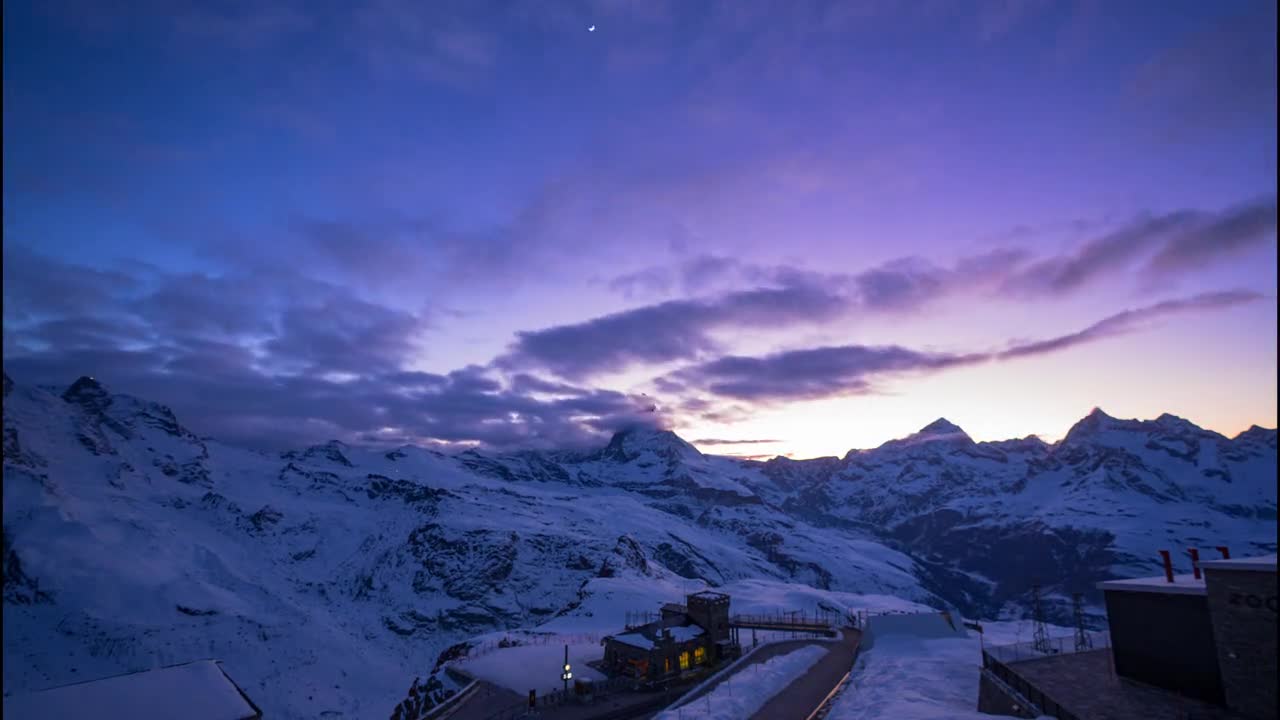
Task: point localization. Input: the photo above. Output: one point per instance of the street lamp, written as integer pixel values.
(567, 675)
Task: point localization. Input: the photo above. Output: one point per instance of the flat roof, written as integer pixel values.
(1181, 585)
(197, 691)
(1262, 563)
(1086, 685)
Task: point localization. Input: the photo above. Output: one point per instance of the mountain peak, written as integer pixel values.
(941, 426)
(628, 443)
(1171, 420)
(87, 393)
(1257, 433)
(1098, 414)
(939, 433)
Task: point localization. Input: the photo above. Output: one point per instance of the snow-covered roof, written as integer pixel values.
(197, 691)
(684, 633)
(1181, 585)
(1262, 563)
(646, 639)
(635, 640)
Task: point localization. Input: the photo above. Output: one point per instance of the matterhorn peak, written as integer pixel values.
(88, 394)
(629, 443)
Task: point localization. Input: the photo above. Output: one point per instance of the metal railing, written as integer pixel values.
(997, 660)
(797, 618)
(1064, 645)
(1044, 705)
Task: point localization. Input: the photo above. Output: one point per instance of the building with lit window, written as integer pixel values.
(686, 638)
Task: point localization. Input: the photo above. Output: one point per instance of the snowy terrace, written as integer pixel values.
(198, 690)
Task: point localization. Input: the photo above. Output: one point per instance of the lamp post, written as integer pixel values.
(568, 671)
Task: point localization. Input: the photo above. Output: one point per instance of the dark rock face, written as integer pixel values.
(88, 394)
(265, 519)
(19, 588)
(330, 452)
(626, 554)
(18, 455)
(411, 493)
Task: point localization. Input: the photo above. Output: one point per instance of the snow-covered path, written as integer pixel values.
(747, 691)
(907, 677)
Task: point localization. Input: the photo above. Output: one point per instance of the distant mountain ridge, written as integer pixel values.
(127, 537)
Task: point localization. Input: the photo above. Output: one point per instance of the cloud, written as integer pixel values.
(911, 283)
(815, 373)
(1234, 230)
(1183, 241)
(666, 332)
(331, 364)
(811, 373)
(1110, 253)
(345, 334)
(903, 284)
(218, 394)
(33, 282)
(717, 441)
(1155, 245)
(1131, 321)
(647, 282)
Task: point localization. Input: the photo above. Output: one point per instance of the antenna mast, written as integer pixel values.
(1083, 641)
(1040, 635)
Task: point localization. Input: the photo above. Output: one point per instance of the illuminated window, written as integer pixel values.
(699, 655)
(684, 660)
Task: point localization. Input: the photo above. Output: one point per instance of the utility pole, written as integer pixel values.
(1083, 641)
(1040, 635)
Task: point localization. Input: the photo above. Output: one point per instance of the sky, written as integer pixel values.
(773, 227)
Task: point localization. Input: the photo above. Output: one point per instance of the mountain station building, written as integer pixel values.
(686, 638)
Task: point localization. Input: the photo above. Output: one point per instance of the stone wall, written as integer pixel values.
(1242, 605)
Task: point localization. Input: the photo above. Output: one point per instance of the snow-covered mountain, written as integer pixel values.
(325, 576)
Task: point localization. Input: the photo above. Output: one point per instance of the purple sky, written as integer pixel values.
(816, 224)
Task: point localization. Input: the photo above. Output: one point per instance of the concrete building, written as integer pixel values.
(1241, 596)
(1201, 644)
(685, 638)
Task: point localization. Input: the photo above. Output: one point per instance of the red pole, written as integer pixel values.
(1168, 566)
(1226, 554)
(1195, 562)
